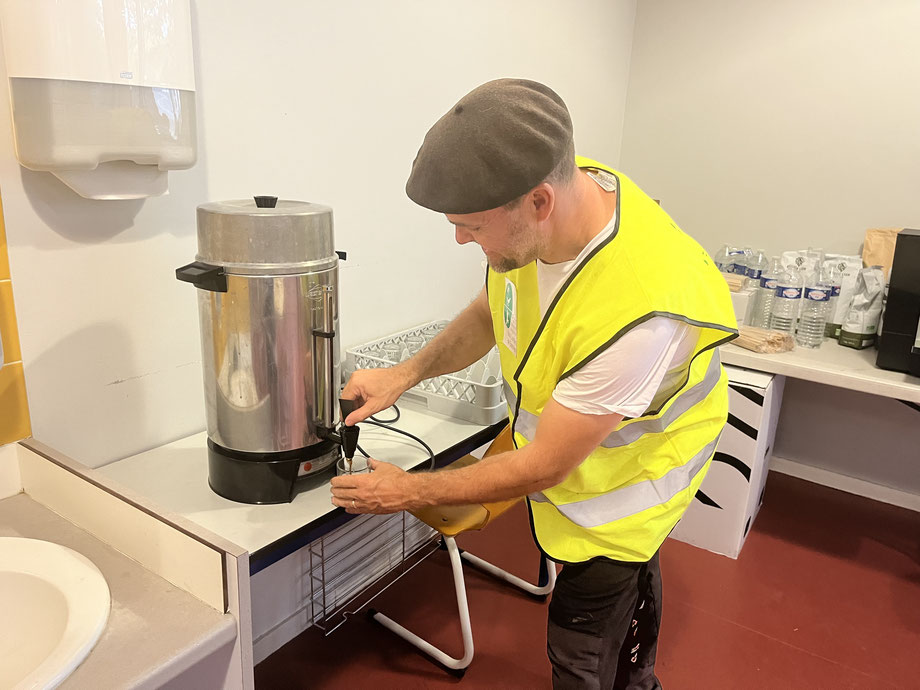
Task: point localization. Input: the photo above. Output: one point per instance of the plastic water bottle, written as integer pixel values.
(786, 301)
(756, 265)
(832, 279)
(814, 259)
(739, 265)
(742, 256)
(766, 291)
(736, 260)
(722, 260)
(816, 300)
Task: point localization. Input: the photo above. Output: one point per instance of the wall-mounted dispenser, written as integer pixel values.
(102, 91)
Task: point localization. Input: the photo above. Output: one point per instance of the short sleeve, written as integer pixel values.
(644, 365)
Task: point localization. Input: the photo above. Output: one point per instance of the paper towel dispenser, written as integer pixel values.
(102, 91)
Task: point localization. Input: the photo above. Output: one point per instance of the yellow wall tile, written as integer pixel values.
(14, 407)
(9, 334)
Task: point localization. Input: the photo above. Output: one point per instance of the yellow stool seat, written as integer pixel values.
(452, 520)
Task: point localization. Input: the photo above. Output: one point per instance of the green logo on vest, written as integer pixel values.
(509, 304)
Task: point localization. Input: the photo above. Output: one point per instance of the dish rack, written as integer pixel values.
(474, 394)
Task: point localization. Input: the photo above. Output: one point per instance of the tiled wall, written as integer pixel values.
(14, 409)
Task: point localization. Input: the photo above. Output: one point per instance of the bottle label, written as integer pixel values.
(754, 273)
(835, 291)
(787, 292)
(817, 295)
(768, 283)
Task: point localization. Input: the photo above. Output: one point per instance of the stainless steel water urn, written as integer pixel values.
(267, 279)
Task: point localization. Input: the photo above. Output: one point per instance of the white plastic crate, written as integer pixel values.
(474, 394)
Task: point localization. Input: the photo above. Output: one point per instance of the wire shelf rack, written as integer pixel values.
(355, 563)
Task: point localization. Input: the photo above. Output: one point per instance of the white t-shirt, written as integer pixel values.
(638, 372)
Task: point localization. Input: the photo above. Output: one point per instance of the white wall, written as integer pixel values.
(777, 123)
(854, 434)
(325, 102)
(782, 124)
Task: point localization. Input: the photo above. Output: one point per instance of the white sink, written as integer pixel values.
(54, 604)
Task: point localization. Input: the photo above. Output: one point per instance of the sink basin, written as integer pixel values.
(54, 604)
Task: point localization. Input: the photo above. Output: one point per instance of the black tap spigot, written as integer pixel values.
(349, 435)
(345, 435)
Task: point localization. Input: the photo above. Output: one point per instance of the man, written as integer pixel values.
(607, 319)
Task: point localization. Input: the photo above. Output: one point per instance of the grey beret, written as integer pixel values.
(499, 141)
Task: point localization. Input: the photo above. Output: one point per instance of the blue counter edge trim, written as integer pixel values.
(321, 526)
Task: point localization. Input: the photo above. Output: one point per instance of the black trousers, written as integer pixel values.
(603, 625)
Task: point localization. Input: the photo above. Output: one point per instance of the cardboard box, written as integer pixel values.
(721, 515)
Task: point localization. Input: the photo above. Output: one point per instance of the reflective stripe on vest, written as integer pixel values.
(526, 424)
(690, 397)
(621, 503)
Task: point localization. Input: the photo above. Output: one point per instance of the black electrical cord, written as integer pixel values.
(388, 421)
(385, 424)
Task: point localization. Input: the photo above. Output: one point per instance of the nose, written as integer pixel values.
(462, 235)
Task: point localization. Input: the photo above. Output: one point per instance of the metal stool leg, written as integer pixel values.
(442, 658)
(456, 566)
(495, 571)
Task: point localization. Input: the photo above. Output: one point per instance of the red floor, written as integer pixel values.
(826, 594)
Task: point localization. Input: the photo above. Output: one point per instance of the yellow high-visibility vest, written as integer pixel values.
(625, 498)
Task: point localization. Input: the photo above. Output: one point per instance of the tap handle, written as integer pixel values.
(347, 406)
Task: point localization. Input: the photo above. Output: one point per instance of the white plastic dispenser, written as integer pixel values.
(102, 91)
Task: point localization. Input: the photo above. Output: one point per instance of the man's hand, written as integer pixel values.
(375, 390)
(386, 489)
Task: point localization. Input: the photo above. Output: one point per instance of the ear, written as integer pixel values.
(542, 200)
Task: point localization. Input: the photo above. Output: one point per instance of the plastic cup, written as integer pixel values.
(358, 466)
(429, 332)
(375, 353)
(478, 372)
(392, 352)
(414, 343)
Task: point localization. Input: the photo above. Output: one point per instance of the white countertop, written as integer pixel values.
(175, 476)
(830, 364)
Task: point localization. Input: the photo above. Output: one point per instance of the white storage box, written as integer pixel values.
(721, 515)
(474, 394)
(743, 302)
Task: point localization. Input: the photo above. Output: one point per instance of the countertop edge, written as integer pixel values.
(827, 374)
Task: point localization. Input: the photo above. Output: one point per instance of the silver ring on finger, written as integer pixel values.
(353, 504)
